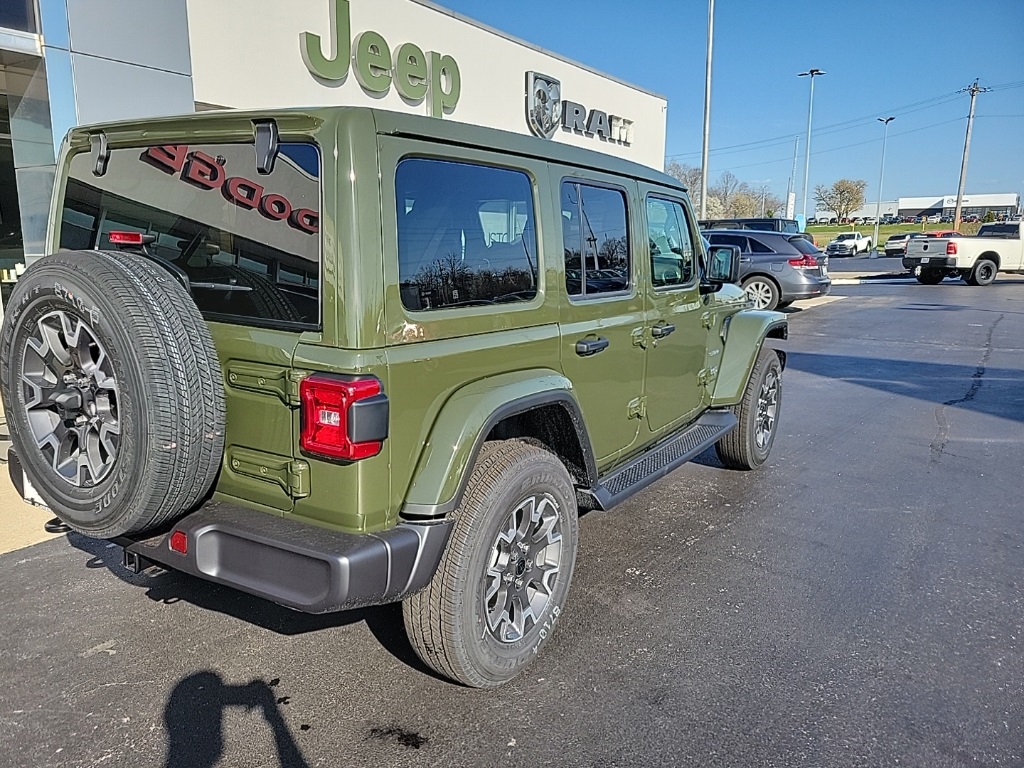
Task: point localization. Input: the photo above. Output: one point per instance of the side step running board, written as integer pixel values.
(661, 459)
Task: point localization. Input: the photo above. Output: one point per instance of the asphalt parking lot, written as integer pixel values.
(858, 602)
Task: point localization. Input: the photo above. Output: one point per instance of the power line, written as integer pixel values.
(847, 146)
(845, 125)
(837, 127)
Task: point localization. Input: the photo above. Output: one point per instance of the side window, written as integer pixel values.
(673, 261)
(595, 239)
(756, 246)
(738, 240)
(466, 235)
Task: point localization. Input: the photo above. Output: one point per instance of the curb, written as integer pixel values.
(873, 279)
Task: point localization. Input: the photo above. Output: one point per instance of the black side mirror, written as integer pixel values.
(723, 266)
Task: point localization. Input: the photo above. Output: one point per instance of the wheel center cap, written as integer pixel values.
(520, 568)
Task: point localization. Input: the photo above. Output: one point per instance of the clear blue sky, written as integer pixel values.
(905, 58)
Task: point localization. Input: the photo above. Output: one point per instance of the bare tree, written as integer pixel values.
(725, 190)
(690, 177)
(843, 197)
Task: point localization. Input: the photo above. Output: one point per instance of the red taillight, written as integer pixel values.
(328, 424)
(804, 262)
(126, 238)
(951, 248)
(179, 543)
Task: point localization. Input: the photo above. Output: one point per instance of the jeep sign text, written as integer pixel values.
(417, 75)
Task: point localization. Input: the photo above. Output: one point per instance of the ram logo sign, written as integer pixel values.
(546, 110)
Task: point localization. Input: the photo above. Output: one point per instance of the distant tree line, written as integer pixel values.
(728, 196)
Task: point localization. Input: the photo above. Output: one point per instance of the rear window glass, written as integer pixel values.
(1009, 231)
(248, 243)
(466, 235)
(804, 245)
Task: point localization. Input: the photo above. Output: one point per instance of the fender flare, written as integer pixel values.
(744, 336)
(463, 424)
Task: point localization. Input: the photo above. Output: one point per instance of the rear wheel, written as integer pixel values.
(762, 292)
(984, 272)
(503, 581)
(930, 276)
(112, 390)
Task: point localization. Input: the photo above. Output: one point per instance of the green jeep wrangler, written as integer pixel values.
(344, 357)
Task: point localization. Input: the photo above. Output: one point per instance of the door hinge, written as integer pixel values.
(292, 475)
(639, 337)
(266, 380)
(707, 320)
(638, 407)
(707, 376)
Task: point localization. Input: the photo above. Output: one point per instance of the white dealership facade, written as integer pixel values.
(72, 62)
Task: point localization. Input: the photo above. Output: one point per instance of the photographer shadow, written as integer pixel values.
(194, 719)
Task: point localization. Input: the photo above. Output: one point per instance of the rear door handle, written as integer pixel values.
(588, 347)
(662, 330)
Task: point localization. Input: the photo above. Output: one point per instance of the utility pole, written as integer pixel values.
(707, 115)
(974, 90)
(791, 189)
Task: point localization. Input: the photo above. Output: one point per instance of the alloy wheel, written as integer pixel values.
(760, 293)
(767, 409)
(71, 398)
(524, 563)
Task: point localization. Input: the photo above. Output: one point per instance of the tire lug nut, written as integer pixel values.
(507, 578)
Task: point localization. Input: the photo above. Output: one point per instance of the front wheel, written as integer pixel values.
(503, 581)
(984, 273)
(762, 292)
(930, 276)
(757, 414)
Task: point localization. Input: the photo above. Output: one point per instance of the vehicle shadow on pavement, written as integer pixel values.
(166, 586)
(194, 719)
(947, 384)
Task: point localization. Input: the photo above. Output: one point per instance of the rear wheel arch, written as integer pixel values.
(991, 256)
(548, 417)
(557, 427)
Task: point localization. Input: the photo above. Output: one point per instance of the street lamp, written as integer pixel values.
(881, 174)
(811, 73)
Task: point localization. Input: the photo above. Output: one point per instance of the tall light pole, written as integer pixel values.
(791, 189)
(707, 115)
(811, 73)
(881, 174)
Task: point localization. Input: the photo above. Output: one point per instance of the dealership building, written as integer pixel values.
(71, 62)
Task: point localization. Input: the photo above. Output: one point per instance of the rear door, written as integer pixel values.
(249, 246)
(602, 320)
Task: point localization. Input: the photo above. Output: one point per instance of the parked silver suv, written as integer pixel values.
(776, 268)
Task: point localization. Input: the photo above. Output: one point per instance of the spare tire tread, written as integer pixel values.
(191, 370)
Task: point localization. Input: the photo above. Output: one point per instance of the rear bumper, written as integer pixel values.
(933, 262)
(808, 292)
(294, 564)
(300, 566)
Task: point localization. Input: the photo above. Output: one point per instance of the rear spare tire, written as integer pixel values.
(112, 390)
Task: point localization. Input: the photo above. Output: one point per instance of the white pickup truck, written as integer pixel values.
(849, 244)
(996, 248)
